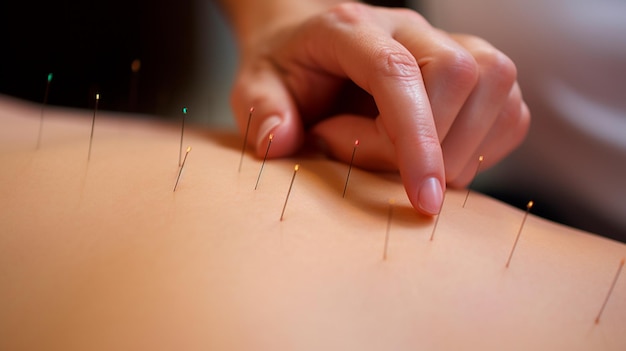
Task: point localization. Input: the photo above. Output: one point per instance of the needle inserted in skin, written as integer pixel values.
(608, 295)
(93, 123)
(271, 137)
(180, 170)
(389, 216)
(432, 235)
(480, 160)
(182, 131)
(245, 138)
(345, 187)
(45, 101)
(528, 207)
(295, 170)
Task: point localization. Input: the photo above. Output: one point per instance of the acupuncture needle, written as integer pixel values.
(93, 123)
(519, 232)
(432, 235)
(180, 170)
(345, 187)
(469, 187)
(608, 295)
(43, 107)
(389, 216)
(295, 171)
(269, 143)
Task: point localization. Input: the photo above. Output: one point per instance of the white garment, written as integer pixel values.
(571, 59)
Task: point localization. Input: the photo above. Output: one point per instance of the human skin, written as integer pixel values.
(103, 254)
(421, 101)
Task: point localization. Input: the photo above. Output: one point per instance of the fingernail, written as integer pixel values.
(266, 127)
(430, 196)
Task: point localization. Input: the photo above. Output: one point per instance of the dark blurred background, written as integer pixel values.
(89, 46)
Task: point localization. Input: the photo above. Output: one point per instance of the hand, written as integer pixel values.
(421, 101)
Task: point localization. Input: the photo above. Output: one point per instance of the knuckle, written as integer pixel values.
(393, 63)
(429, 142)
(460, 67)
(499, 67)
(413, 16)
(424, 139)
(514, 116)
(347, 13)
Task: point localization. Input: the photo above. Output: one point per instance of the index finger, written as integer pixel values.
(354, 42)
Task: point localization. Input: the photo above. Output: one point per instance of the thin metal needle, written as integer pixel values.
(93, 123)
(345, 187)
(271, 137)
(528, 207)
(389, 216)
(180, 170)
(432, 235)
(469, 187)
(608, 295)
(295, 170)
(45, 101)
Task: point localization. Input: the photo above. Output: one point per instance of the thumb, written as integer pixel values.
(263, 105)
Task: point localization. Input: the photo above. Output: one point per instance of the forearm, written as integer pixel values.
(250, 17)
